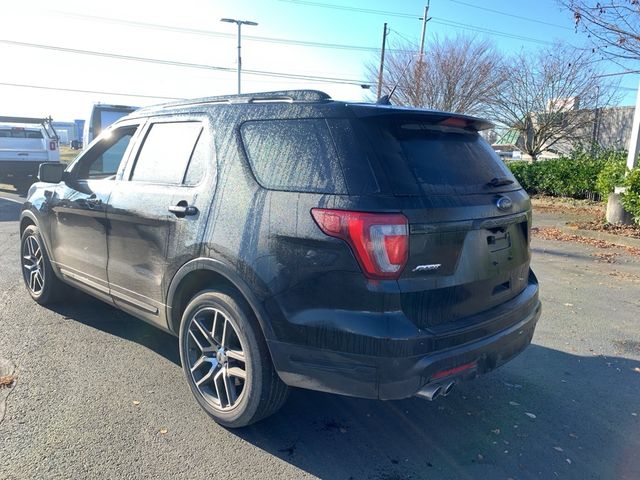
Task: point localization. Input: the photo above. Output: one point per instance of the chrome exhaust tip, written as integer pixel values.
(447, 389)
(430, 392)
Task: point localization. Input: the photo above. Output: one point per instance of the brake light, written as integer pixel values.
(380, 241)
(455, 122)
(53, 145)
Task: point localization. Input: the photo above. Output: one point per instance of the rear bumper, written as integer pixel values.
(19, 169)
(502, 333)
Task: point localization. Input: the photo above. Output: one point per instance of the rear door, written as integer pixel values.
(157, 213)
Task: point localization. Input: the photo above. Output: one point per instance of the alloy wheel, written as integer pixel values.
(216, 358)
(32, 263)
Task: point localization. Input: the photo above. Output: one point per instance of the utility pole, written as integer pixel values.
(239, 23)
(420, 64)
(634, 144)
(381, 71)
(425, 19)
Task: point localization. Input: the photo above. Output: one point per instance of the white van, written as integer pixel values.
(25, 143)
(103, 115)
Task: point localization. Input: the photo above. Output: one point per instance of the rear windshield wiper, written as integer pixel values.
(499, 181)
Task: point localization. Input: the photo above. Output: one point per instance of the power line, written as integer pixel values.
(615, 74)
(473, 28)
(439, 20)
(354, 9)
(174, 63)
(512, 15)
(77, 90)
(208, 33)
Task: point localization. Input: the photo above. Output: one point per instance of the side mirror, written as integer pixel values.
(51, 172)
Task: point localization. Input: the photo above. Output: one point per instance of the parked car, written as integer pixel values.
(25, 143)
(292, 240)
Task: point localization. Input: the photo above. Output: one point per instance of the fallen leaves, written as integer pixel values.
(605, 257)
(603, 226)
(551, 233)
(625, 276)
(6, 381)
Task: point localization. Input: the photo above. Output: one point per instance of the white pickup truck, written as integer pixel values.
(25, 143)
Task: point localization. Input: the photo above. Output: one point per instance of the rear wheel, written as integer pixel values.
(37, 273)
(226, 360)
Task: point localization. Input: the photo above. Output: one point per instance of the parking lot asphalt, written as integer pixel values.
(100, 394)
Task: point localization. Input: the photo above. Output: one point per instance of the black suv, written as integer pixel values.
(293, 240)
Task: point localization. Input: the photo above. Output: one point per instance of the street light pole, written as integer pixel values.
(239, 23)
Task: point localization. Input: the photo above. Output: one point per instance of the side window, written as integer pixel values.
(293, 155)
(166, 152)
(202, 155)
(104, 158)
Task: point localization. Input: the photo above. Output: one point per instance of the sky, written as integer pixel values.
(182, 50)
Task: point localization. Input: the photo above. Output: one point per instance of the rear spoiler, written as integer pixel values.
(47, 124)
(430, 116)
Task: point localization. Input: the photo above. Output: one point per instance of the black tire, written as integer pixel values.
(49, 289)
(231, 400)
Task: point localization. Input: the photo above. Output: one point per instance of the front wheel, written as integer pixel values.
(226, 360)
(37, 273)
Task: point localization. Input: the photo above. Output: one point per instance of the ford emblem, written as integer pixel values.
(504, 203)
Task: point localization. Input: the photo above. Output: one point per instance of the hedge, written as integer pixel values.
(579, 175)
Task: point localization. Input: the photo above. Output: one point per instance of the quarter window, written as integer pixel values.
(166, 152)
(293, 155)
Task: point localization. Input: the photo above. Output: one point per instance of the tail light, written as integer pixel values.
(380, 241)
(53, 145)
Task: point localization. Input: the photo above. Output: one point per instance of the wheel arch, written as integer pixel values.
(27, 218)
(199, 273)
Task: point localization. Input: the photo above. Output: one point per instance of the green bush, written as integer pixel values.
(611, 176)
(631, 198)
(574, 176)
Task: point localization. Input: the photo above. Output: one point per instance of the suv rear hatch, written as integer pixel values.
(468, 217)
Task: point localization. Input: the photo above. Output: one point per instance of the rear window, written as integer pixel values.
(293, 155)
(422, 158)
(20, 133)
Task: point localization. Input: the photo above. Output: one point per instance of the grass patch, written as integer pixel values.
(67, 155)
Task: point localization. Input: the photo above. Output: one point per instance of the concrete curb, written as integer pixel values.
(604, 236)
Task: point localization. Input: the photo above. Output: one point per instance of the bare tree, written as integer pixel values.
(550, 98)
(613, 26)
(460, 74)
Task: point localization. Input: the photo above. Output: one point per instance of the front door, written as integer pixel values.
(79, 231)
(157, 213)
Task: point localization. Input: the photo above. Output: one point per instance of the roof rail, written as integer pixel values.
(25, 120)
(47, 123)
(290, 96)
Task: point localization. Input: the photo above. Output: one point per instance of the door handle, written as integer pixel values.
(182, 209)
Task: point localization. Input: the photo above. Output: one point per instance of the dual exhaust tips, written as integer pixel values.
(433, 391)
